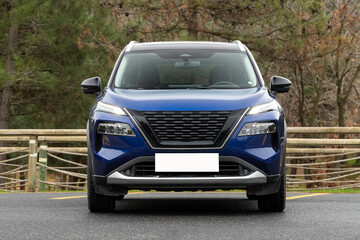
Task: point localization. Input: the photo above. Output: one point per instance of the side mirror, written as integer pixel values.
(91, 85)
(279, 85)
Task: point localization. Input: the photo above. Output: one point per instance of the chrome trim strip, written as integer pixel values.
(240, 45)
(254, 178)
(129, 46)
(190, 149)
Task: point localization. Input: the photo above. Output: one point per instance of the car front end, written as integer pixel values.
(166, 135)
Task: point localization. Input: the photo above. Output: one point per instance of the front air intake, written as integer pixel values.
(226, 169)
(186, 129)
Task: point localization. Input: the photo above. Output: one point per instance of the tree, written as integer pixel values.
(6, 92)
(345, 56)
(58, 45)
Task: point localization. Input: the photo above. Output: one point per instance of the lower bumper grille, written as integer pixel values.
(147, 169)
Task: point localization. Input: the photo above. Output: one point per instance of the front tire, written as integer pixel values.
(251, 196)
(98, 202)
(274, 202)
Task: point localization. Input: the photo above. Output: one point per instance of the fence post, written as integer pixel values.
(42, 170)
(32, 164)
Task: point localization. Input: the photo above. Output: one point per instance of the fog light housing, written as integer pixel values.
(256, 128)
(120, 129)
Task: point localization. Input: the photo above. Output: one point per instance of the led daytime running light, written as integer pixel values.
(256, 128)
(267, 107)
(104, 107)
(121, 129)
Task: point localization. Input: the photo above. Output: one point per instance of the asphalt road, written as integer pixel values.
(178, 216)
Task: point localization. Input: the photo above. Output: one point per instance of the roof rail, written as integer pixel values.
(129, 46)
(240, 45)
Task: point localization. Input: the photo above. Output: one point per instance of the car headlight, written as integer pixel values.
(256, 128)
(108, 108)
(121, 129)
(267, 107)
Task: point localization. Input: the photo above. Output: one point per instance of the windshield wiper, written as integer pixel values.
(198, 88)
(215, 87)
(139, 88)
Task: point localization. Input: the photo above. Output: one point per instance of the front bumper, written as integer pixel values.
(118, 152)
(118, 183)
(257, 184)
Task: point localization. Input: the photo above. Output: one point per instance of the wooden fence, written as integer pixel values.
(50, 160)
(323, 158)
(43, 159)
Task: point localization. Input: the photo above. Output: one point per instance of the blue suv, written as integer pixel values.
(186, 116)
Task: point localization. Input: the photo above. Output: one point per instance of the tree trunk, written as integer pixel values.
(22, 177)
(4, 120)
(293, 170)
(10, 70)
(341, 114)
(341, 119)
(5, 107)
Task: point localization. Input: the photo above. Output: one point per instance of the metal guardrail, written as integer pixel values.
(316, 158)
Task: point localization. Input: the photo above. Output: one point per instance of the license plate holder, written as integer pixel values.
(186, 162)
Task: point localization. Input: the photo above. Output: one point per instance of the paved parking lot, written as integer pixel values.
(210, 215)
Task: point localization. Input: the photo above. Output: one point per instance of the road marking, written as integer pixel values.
(307, 195)
(82, 196)
(288, 198)
(59, 198)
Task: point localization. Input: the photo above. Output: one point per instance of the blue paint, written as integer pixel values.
(186, 99)
(258, 150)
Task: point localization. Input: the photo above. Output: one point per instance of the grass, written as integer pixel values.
(65, 191)
(349, 190)
(345, 190)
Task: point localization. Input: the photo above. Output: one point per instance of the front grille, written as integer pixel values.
(226, 169)
(186, 129)
(186, 126)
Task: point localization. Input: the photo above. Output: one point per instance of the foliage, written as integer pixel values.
(60, 43)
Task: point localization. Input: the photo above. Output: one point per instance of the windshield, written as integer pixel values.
(173, 69)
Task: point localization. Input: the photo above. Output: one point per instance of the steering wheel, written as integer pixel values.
(224, 83)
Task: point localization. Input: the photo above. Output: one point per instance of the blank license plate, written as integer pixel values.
(186, 162)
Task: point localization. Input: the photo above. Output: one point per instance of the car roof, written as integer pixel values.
(235, 46)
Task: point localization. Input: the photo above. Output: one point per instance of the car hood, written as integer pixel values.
(186, 99)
